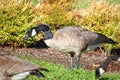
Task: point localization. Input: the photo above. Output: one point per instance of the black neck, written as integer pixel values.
(47, 32)
(106, 63)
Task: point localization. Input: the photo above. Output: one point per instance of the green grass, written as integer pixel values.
(110, 76)
(81, 4)
(84, 4)
(58, 72)
(114, 1)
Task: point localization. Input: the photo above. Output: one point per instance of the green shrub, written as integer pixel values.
(15, 17)
(56, 13)
(101, 17)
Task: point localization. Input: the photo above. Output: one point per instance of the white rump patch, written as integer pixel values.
(101, 70)
(33, 32)
(91, 47)
(20, 76)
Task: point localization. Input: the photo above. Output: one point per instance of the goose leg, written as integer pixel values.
(78, 61)
(72, 61)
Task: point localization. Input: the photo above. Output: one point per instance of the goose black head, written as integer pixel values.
(34, 31)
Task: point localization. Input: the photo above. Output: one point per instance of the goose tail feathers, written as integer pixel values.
(38, 73)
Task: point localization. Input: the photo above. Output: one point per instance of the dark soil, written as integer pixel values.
(89, 61)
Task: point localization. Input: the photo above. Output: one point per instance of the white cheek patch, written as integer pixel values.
(33, 32)
(119, 59)
(101, 70)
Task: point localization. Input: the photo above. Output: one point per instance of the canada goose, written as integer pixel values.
(70, 39)
(102, 68)
(12, 68)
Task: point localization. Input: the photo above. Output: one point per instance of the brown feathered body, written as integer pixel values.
(76, 39)
(10, 66)
(70, 39)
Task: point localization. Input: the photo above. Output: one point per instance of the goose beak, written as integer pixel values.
(25, 38)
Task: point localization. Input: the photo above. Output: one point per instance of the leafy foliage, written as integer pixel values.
(56, 13)
(17, 16)
(101, 17)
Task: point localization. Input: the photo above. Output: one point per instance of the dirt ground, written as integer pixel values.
(89, 61)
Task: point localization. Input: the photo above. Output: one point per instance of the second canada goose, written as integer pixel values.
(102, 68)
(70, 39)
(12, 68)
